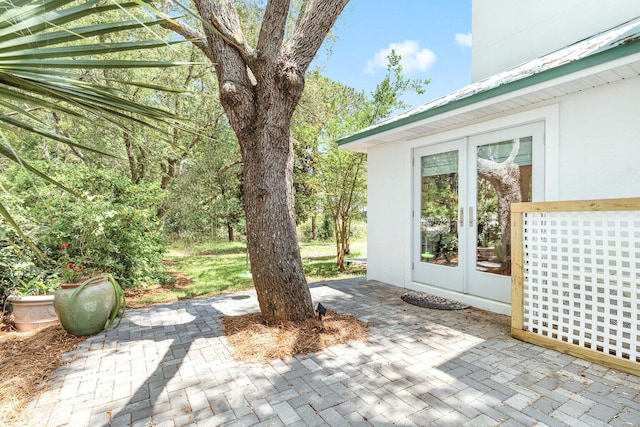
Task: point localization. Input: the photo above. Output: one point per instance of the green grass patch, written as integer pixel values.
(319, 261)
(215, 267)
(182, 249)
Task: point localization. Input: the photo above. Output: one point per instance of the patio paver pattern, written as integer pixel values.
(170, 365)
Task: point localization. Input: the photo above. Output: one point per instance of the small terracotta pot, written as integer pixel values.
(33, 312)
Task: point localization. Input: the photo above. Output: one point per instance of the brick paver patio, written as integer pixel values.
(169, 365)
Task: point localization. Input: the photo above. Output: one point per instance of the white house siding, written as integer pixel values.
(387, 200)
(600, 143)
(592, 150)
(509, 32)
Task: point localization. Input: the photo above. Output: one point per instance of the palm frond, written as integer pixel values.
(8, 57)
(9, 219)
(43, 45)
(39, 40)
(36, 57)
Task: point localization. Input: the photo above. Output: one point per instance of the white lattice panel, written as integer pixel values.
(582, 279)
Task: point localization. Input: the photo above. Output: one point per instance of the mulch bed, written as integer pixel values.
(255, 342)
(28, 360)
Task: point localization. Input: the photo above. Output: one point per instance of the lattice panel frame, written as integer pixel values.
(581, 279)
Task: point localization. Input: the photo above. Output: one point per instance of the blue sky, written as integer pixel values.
(433, 37)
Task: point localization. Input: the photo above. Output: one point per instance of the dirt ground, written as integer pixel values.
(29, 359)
(181, 281)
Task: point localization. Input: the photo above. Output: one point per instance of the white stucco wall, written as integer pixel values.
(592, 151)
(387, 199)
(509, 32)
(600, 143)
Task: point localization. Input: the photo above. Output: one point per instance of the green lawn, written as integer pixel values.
(216, 267)
(319, 261)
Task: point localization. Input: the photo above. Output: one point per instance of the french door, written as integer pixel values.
(461, 215)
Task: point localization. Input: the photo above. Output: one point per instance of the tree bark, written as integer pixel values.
(133, 162)
(230, 234)
(168, 172)
(276, 265)
(337, 231)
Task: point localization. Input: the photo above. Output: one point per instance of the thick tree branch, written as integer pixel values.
(234, 80)
(188, 33)
(169, 172)
(223, 15)
(191, 34)
(224, 169)
(273, 29)
(313, 25)
(514, 151)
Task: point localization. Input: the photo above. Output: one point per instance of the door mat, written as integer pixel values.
(425, 300)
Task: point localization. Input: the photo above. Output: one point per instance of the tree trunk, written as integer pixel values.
(230, 232)
(314, 227)
(338, 237)
(259, 89)
(133, 162)
(47, 154)
(276, 265)
(168, 172)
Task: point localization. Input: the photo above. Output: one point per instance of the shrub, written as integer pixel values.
(112, 227)
(18, 263)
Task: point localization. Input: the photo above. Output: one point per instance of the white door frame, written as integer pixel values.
(459, 279)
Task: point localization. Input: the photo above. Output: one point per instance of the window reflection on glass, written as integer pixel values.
(439, 209)
(504, 177)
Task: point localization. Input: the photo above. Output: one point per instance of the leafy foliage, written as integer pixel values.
(439, 217)
(342, 174)
(43, 44)
(207, 199)
(111, 228)
(18, 263)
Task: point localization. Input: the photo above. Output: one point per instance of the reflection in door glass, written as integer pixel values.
(504, 177)
(439, 209)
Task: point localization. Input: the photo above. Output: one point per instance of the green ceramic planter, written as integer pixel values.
(87, 312)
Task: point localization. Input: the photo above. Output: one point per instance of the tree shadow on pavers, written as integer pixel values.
(368, 300)
(162, 395)
(450, 367)
(533, 384)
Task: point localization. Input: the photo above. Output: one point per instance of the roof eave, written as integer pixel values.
(354, 141)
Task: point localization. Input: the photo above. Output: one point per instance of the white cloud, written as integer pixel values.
(413, 57)
(463, 40)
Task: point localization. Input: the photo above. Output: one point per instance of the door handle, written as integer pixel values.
(461, 219)
(470, 216)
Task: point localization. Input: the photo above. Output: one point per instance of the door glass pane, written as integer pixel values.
(504, 177)
(439, 209)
